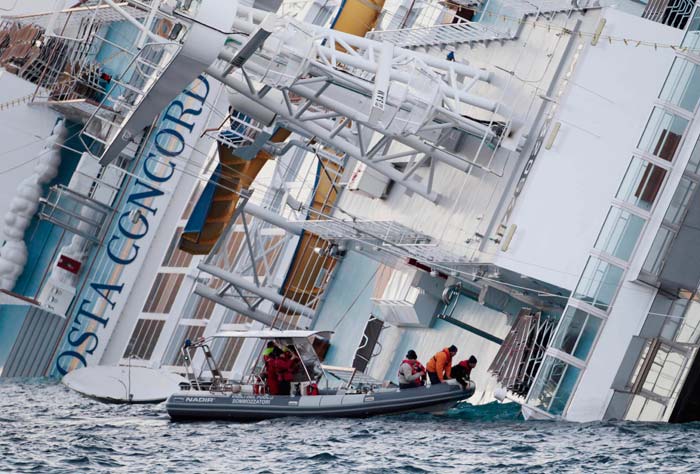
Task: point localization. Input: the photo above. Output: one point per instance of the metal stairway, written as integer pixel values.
(505, 25)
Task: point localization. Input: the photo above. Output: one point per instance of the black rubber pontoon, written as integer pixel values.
(202, 405)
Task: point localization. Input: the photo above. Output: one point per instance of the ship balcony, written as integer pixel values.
(241, 133)
(126, 92)
(76, 213)
(72, 54)
(98, 63)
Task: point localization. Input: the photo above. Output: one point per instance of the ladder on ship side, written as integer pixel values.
(126, 93)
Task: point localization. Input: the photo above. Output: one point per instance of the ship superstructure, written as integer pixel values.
(516, 178)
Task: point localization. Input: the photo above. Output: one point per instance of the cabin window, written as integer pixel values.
(182, 333)
(144, 339)
(599, 283)
(194, 197)
(554, 385)
(203, 309)
(323, 14)
(662, 134)
(163, 293)
(577, 332)
(463, 14)
(175, 257)
(225, 352)
(619, 234)
(682, 87)
(641, 184)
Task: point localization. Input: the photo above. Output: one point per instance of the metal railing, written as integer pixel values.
(454, 33)
(673, 13)
(440, 25)
(127, 91)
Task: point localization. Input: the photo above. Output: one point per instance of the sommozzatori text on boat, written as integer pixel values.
(318, 390)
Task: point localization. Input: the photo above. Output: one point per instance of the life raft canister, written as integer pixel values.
(312, 389)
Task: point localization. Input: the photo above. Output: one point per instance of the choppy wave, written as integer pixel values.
(46, 428)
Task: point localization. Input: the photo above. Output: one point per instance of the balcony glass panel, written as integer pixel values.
(588, 336)
(598, 283)
(692, 34)
(641, 184)
(566, 388)
(659, 248)
(569, 329)
(554, 386)
(664, 371)
(577, 332)
(644, 409)
(682, 87)
(671, 314)
(679, 202)
(662, 134)
(545, 386)
(619, 233)
(694, 163)
(689, 330)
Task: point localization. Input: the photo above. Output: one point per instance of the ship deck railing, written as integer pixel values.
(498, 22)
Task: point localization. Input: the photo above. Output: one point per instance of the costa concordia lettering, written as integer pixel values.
(133, 225)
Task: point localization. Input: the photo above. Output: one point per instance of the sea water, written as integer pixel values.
(46, 428)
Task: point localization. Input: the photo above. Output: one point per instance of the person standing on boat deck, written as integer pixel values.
(269, 348)
(411, 372)
(462, 371)
(286, 365)
(440, 365)
(273, 354)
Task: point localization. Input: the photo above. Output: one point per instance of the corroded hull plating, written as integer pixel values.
(193, 405)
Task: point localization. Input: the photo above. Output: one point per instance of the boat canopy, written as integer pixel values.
(273, 334)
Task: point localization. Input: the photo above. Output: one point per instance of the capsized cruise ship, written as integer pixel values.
(517, 178)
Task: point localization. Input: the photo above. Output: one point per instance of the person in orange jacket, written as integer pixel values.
(439, 366)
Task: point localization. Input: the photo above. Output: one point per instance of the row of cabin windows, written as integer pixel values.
(601, 278)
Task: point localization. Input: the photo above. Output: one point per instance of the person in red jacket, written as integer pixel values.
(411, 372)
(439, 366)
(271, 357)
(286, 365)
(462, 371)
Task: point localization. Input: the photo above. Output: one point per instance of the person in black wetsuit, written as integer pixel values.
(462, 371)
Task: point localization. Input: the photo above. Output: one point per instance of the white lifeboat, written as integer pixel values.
(123, 384)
